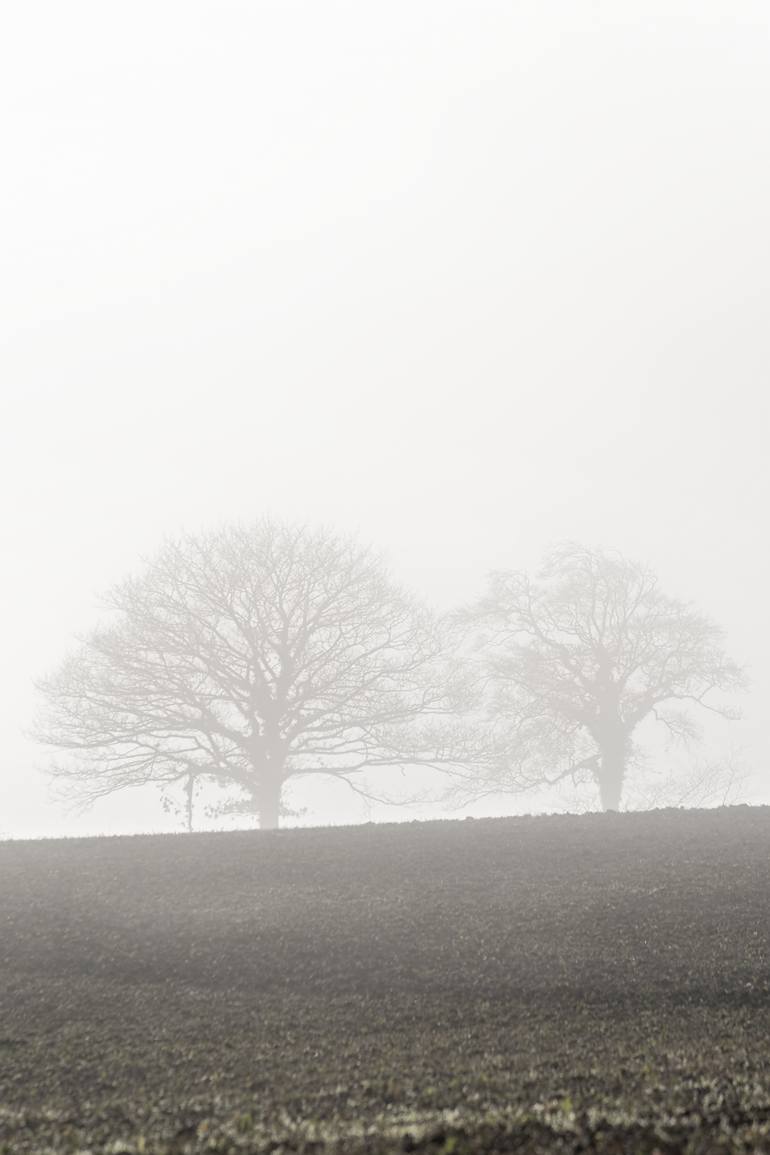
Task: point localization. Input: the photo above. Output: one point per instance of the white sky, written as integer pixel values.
(463, 277)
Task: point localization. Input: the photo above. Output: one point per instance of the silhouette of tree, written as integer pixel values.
(247, 656)
(574, 661)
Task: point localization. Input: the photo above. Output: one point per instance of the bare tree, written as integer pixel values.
(247, 656)
(575, 661)
(714, 782)
(183, 809)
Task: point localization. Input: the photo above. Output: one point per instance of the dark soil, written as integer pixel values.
(596, 983)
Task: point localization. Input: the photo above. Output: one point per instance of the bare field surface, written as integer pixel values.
(531, 984)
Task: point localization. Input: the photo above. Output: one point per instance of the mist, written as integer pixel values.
(460, 281)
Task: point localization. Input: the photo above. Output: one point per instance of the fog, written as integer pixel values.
(463, 280)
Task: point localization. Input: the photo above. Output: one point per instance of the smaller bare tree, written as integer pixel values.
(183, 809)
(707, 782)
(575, 661)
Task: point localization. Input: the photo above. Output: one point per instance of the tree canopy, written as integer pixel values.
(576, 659)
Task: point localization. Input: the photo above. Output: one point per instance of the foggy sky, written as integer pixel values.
(462, 278)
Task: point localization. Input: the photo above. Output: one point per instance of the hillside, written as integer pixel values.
(522, 984)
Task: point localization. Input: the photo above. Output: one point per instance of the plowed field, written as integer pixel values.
(527, 984)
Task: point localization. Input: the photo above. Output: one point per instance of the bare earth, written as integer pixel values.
(596, 983)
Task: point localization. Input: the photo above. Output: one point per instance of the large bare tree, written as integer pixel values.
(247, 656)
(577, 659)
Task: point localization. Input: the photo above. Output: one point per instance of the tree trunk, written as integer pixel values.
(268, 800)
(613, 749)
(610, 789)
